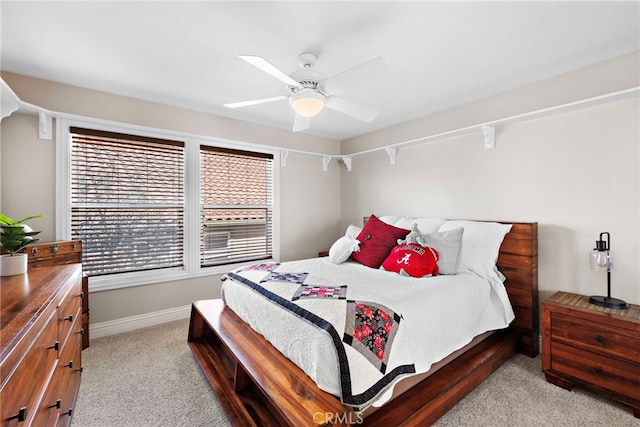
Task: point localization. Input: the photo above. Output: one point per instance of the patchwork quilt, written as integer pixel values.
(355, 330)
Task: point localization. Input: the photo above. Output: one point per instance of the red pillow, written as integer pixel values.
(377, 238)
(412, 260)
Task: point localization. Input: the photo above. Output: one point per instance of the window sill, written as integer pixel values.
(142, 278)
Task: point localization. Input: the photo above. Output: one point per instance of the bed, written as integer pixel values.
(257, 385)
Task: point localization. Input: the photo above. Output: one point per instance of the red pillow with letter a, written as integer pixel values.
(412, 260)
(377, 238)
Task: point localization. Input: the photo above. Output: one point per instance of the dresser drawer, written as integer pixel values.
(592, 368)
(60, 395)
(22, 389)
(69, 314)
(597, 337)
(48, 412)
(70, 367)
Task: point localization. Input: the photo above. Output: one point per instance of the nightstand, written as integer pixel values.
(595, 347)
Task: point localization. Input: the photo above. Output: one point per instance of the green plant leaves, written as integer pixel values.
(15, 235)
(8, 221)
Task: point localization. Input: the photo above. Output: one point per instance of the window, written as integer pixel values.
(127, 201)
(236, 205)
(152, 206)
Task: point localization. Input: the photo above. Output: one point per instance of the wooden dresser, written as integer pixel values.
(62, 253)
(41, 334)
(596, 347)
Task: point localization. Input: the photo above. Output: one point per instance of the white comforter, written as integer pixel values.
(436, 316)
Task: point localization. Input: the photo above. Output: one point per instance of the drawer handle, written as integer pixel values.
(73, 246)
(68, 365)
(55, 405)
(81, 331)
(599, 371)
(20, 416)
(55, 346)
(54, 249)
(34, 251)
(69, 318)
(599, 339)
(68, 412)
(80, 369)
(80, 295)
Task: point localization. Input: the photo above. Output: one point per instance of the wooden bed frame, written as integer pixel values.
(258, 386)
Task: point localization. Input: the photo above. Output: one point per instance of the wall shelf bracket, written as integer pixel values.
(489, 137)
(325, 163)
(347, 163)
(45, 125)
(391, 152)
(283, 157)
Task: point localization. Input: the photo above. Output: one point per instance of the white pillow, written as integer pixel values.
(342, 248)
(425, 225)
(480, 245)
(448, 244)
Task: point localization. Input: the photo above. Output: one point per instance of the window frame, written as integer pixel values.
(191, 248)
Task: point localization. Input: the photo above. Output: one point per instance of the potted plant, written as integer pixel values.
(14, 238)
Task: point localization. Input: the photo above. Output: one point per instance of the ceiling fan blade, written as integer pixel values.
(358, 111)
(358, 77)
(301, 123)
(254, 102)
(269, 68)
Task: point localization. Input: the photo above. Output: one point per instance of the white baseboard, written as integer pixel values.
(126, 324)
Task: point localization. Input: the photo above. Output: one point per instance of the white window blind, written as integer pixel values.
(237, 206)
(127, 201)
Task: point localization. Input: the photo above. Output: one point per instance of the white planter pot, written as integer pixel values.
(13, 265)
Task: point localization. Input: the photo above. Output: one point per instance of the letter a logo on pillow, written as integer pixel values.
(412, 260)
(405, 259)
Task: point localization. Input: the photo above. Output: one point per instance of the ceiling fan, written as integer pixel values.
(309, 91)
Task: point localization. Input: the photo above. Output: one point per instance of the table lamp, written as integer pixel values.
(599, 259)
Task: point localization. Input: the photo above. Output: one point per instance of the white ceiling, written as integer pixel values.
(438, 54)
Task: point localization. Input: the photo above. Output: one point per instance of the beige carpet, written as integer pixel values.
(149, 378)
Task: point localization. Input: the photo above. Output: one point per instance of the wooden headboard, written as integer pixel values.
(518, 261)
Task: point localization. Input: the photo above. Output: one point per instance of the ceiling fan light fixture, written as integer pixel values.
(307, 102)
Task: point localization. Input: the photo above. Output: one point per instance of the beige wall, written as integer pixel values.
(575, 173)
(28, 165)
(309, 200)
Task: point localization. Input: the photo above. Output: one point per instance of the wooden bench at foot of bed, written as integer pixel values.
(258, 386)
